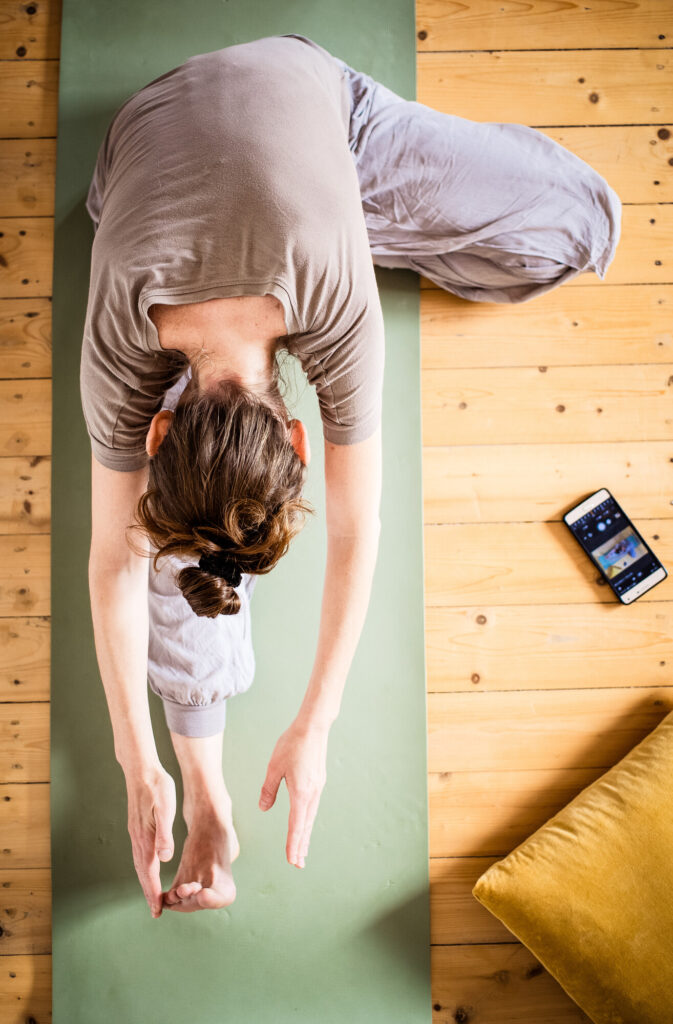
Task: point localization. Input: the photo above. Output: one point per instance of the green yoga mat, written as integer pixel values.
(346, 940)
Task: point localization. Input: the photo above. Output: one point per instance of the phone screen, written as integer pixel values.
(608, 535)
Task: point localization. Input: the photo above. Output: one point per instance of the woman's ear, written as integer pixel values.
(161, 421)
(299, 438)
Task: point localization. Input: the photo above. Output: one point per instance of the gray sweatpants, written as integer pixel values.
(488, 211)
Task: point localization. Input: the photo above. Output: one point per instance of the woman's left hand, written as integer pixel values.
(300, 757)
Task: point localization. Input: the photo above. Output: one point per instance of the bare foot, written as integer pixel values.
(204, 879)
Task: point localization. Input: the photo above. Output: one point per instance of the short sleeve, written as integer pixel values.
(114, 458)
(102, 396)
(347, 375)
(118, 415)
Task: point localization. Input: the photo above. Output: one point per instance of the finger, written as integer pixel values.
(154, 885)
(163, 838)
(308, 826)
(269, 789)
(148, 870)
(296, 822)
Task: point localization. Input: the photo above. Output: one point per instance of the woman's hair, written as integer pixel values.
(225, 479)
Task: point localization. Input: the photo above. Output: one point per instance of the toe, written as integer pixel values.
(191, 896)
(212, 899)
(180, 892)
(186, 889)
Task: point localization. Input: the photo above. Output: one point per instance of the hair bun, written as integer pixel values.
(207, 594)
(221, 564)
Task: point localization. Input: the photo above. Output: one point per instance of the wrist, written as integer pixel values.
(313, 721)
(137, 759)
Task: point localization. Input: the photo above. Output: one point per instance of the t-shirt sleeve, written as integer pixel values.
(348, 377)
(103, 397)
(114, 458)
(118, 415)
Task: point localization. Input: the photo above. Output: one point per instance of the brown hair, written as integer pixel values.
(226, 479)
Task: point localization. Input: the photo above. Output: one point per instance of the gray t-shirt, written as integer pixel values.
(230, 175)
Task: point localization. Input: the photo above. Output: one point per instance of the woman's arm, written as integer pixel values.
(353, 495)
(118, 579)
(353, 498)
(118, 590)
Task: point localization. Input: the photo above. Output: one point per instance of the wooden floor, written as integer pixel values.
(538, 679)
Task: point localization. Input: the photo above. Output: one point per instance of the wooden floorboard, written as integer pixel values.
(550, 87)
(447, 25)
(538, 680)
(605, 325)
(547, 646)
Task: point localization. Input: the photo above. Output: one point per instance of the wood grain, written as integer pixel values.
(29, 48)
(25, 498)
(24, 658)
(527, 563)
(547, 87)
(559, 404)
(30, 31)
(539, 24)
(524, 729)
(26, 251)
(607, 324)
(25, 418)
(28, 99)
(457, 917)
(24, 574)
(24, 742)
(548, 646)
(492, 483)
(503, 984)
(25, 988)
(24, 824)
(27, 170)
(25, 338)
(25, 911)
(488, 813)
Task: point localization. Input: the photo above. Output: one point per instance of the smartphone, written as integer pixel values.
(605, 532)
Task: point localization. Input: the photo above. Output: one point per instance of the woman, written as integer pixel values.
(238, 202)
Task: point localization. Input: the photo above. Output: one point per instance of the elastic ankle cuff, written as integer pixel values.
(195, 720)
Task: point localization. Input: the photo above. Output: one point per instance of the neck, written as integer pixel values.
(236, 336)
(251, 363)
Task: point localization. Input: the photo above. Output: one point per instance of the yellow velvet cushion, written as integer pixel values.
(591, 892)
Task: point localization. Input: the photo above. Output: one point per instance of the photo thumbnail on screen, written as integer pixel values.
(619, 552)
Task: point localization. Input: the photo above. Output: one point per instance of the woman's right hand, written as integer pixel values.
(151, 812)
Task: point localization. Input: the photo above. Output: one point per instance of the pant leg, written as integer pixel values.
(195, 664)
(490, 211)
(458, 272)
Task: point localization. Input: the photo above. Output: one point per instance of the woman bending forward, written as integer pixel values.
(239, 202)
